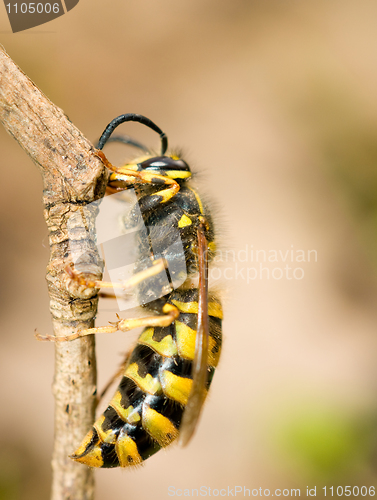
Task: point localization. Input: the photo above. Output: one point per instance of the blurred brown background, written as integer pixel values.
(274, 102)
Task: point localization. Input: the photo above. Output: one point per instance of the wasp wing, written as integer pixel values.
(199, 370)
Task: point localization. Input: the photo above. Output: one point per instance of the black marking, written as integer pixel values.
(149, 202)
(185, 296)
(183, 368)
(160, 332)
(95, 440)
(216, 348)
(158, 181)
(211, 372)
(177, 366)
(146, 446)
(166, 407)
(112, 420)
(169, 213)
(130, 392)
(109, 456)
(216, 323)
(187, 201)
(189, 319)
(146, 359)
(215, 333)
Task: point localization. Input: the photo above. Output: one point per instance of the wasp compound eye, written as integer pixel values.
(165, 163)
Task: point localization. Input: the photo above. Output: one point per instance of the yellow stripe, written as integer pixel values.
(80, 450)
(129, 415)
(184, 221)
(214, 308)
(186, 307)
(178, 174)
(165, 347)
(198, 200)
(158, 427)
(212, 246)
(185, 340)
(167, 194)
(175, 387)
(124, 413)
(105, 436)
(134, 165)
(127, 451)
(168, 308)
(133, 417)
(93, 458)
(147, 384)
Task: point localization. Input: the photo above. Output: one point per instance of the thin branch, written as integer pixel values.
(73, 177)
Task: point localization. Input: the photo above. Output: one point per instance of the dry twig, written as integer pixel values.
(72, 177)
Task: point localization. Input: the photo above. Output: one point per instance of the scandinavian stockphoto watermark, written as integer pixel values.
(157, 256)
(25, 15)
(250, 264)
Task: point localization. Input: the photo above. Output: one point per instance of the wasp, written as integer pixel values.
(167, 375)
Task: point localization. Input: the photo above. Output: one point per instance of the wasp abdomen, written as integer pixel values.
(146, 411)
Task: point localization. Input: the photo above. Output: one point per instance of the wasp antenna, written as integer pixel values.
(132, 117)
(129, 141)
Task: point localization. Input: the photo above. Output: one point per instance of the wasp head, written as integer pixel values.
(169, 166)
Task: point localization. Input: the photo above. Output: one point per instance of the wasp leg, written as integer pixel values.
(104, 295)
(129, 177)
(157, 267)
(171, 313)
(80, 333)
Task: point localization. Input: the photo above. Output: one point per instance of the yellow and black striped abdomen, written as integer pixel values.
(146, 412)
